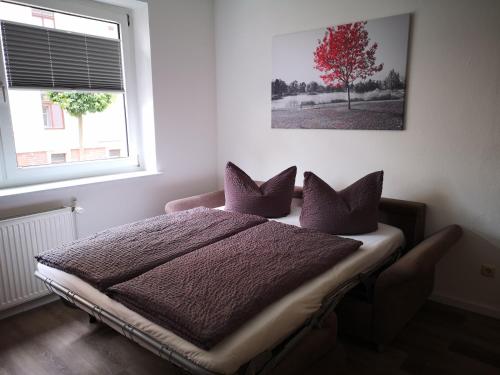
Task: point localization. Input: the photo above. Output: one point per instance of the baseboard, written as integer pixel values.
(28, 305)
(465, 305)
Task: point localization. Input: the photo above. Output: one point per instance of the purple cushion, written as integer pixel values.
(353, 210)
(271, 199)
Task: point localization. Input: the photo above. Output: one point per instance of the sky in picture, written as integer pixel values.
(293, 53)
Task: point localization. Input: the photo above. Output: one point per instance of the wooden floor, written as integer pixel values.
(54, 340)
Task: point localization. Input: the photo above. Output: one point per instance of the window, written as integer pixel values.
(46, 17)
(83, 66)
(115, 153)
(47, 116)
(58, 158)
(53, 115)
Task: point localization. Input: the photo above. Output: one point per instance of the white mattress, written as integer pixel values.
(271, 325)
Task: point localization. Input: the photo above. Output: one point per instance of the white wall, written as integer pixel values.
(449, 155)
(182, 46)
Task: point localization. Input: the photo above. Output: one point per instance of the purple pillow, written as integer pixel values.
(353, 210)
(271, 199)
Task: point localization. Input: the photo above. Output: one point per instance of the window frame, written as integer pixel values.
(10, 174)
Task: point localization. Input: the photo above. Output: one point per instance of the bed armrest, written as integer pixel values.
(209, 200)
(420, 260)
(406, 215)
(402, 289)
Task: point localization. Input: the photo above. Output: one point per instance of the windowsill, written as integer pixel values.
(75, 182)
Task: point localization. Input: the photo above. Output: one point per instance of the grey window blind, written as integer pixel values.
(38, 57)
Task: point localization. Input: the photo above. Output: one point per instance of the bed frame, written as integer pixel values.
(406, 215)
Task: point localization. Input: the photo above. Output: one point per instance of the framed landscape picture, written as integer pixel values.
(350, 76)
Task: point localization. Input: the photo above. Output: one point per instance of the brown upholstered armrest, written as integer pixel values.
(209, 200)
(407, 215)
(421, 259)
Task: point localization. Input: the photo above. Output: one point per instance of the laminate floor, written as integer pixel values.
(55, 339)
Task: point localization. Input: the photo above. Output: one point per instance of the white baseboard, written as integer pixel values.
(28, 306)
(465, 305)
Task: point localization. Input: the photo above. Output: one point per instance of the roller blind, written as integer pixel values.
(42, 58)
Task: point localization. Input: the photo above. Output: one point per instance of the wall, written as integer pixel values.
(448, 157)
(182, 64)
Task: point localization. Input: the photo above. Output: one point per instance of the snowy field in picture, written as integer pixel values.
(350, 76)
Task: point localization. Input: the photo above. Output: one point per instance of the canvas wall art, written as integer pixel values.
(350, 76)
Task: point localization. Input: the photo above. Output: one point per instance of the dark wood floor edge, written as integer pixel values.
(476, 308)
(440, 339)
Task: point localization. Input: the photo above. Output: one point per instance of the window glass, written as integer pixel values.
(57, 20)
(115, 153)
(47, 117)
(58, 158)
(43, 127)
(43, 18)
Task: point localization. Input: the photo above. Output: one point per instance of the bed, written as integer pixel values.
(281, 324)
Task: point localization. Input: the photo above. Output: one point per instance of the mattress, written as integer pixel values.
(272, 324)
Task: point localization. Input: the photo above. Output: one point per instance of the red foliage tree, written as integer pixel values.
(344, 56)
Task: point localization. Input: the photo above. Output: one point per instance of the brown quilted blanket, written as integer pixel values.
(124, 252)
(207, 294)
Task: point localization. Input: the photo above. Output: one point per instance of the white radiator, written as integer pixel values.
(21, 239)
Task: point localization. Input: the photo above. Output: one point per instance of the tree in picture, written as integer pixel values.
(78, 104)
(393, 81)
(344, 56)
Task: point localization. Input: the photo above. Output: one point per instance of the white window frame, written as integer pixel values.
(10, 174)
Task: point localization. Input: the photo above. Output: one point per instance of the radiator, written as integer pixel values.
(21, 239)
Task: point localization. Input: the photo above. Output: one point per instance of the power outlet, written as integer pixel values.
(488, 270)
